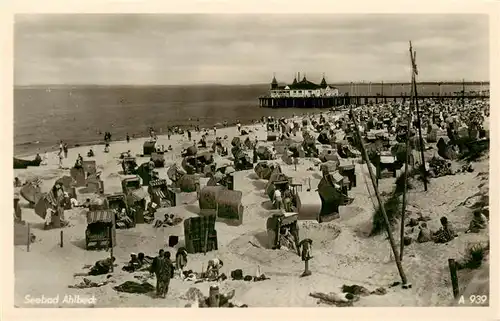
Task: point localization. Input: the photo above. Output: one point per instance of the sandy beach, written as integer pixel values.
(343, 254)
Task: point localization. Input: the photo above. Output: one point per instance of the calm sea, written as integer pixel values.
(80, 114)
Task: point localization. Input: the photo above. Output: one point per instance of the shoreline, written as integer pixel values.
(28, 155)
(54, 149)
(175, 139)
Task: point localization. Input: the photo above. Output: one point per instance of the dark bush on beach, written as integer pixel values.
(474, 256)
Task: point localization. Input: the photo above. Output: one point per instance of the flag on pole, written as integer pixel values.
(413, 55)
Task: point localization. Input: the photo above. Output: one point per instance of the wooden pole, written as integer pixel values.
(379, 199)
(206, 243)
(62, 239)
(29, 237)
(454, 278)
(403, 207)
(421, 140)
(111, 240)
(214, 296)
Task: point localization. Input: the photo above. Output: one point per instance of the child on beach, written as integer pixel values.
(60, 159)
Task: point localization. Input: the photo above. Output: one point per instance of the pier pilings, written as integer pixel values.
(329, 102)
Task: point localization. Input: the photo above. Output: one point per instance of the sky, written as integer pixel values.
(174, 49)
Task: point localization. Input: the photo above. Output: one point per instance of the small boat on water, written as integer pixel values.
(22, 163)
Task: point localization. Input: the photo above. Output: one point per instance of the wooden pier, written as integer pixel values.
(328, 102)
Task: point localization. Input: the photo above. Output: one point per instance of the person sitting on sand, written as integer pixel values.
(90, 153)
(86, 204)
(167, 221)
(213, 268)
(287, 241)
(143, 259)
(424, 235)
(202, 143)
(124, 219)
(277, 199)
(102, 266)
(445, 233)
(106, 148)
(181, 261)
(79, 162)
(38, 158)
(133, 265)
(74, 202)
(152, 207)
(151, 166)
(479, 222)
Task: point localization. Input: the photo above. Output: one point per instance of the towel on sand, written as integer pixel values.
(134, 287)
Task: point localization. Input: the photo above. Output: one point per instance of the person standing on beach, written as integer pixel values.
(238, 124)
(169, 132)
(160, 269)
(128, 138)
(60, 159)
(65, 149)
(189, 134)
(215, 130)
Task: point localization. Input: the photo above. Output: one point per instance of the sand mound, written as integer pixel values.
(253, 247)
(321, 234)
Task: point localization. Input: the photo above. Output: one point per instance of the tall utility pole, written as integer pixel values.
(379, 199)
(419, 123)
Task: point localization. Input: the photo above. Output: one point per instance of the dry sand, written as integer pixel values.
(342, 254)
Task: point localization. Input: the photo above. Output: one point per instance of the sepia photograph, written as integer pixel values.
(251, 160)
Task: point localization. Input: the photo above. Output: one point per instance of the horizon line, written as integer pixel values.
(342, 83)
